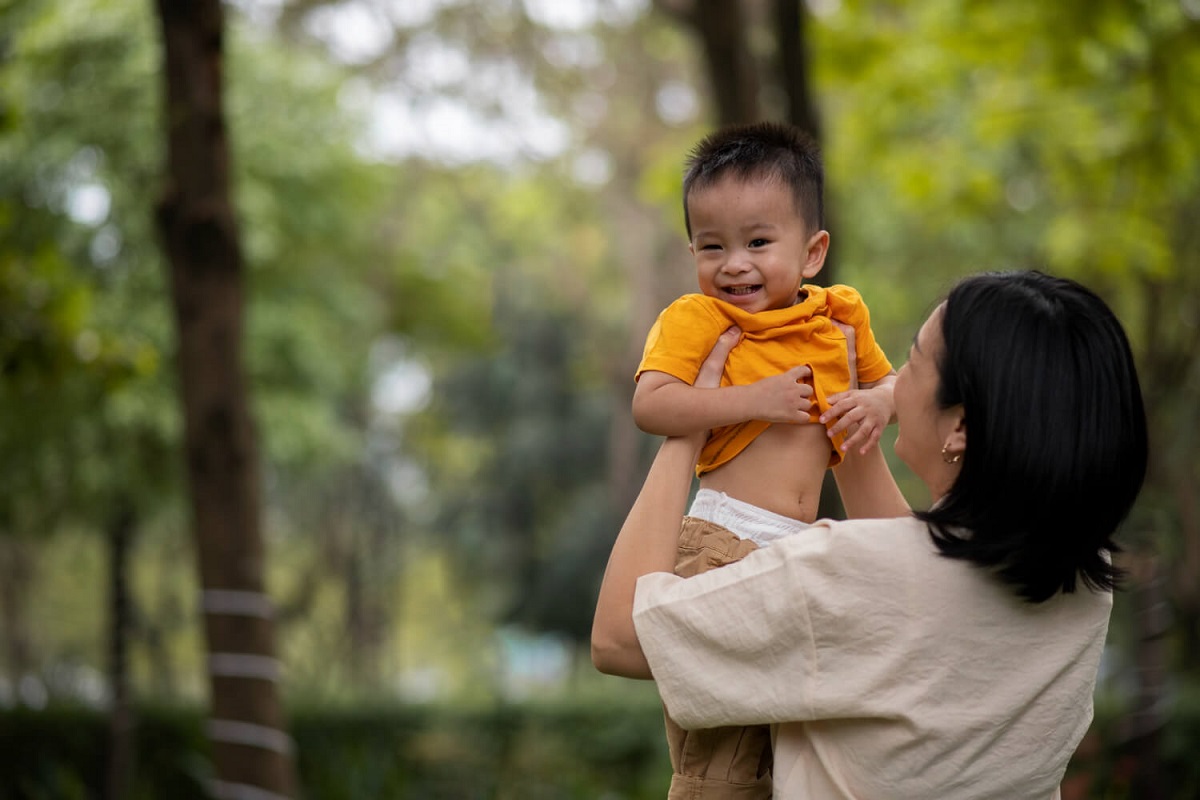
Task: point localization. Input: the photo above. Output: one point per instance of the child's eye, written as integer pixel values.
(759, 243)
(710, 247)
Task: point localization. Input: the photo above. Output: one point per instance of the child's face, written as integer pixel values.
(751, 246)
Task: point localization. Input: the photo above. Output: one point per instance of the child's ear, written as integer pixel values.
(814, 257)
(691, 250)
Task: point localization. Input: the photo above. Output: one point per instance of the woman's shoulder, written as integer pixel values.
(870, 545)
(873, 531)
(901, 552)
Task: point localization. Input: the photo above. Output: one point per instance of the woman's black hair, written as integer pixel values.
(1056, 432)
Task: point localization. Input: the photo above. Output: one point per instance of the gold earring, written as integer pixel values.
(952, 460)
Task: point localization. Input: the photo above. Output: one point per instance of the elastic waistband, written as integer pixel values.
(743, 519)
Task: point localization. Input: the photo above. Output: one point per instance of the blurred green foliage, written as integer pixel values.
(506, 752)
(431, 753)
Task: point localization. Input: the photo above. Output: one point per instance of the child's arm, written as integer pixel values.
(666, 406)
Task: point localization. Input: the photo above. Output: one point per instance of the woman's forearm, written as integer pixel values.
(646, 543)
(867, 487)
(648, 540)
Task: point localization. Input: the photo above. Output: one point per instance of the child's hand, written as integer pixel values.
(863, 412)
(783, 397)
(779, 398)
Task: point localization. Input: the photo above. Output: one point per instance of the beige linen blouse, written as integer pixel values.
(888, 670)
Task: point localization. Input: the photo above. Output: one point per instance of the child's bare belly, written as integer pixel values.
(781, 471)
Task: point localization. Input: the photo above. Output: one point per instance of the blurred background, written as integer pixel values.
(457, 220)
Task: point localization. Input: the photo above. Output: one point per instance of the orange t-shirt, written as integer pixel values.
(772, 342)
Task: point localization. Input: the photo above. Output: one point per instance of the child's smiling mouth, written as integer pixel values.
(743, 290)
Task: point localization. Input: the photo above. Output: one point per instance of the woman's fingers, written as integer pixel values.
(714, 366)
(851, 351)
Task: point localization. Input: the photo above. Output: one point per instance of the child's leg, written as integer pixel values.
(716, 762)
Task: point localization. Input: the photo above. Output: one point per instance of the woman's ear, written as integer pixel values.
(955, 442)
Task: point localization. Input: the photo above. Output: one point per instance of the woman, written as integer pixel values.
(950, 653)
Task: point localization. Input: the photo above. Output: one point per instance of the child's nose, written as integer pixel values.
(738, 262)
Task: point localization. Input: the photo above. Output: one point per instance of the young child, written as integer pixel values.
(753, 213)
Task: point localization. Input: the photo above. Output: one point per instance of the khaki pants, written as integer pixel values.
(716, 763)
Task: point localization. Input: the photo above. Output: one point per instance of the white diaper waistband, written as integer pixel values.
(745, 520)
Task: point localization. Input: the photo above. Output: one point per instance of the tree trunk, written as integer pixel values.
(251, 751)
(792, 66)
(16, 577)
(795, 77)
(1145, 722)
(121, 528)
(1185, 577)
(732, 73)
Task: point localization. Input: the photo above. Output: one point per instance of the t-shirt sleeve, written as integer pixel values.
(846, 305)
(681, 338)
(797, 631)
